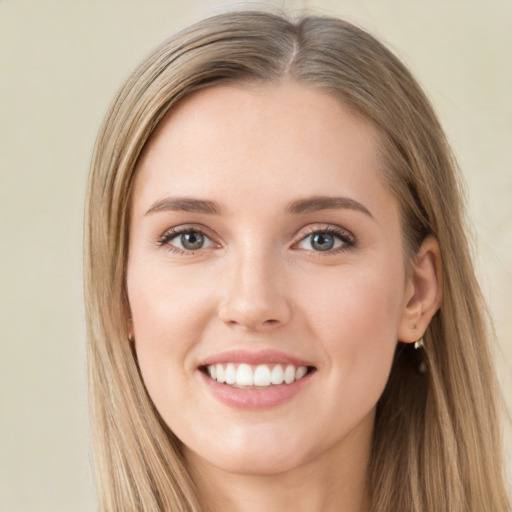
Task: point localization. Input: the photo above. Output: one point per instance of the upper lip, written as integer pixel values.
(255, 357)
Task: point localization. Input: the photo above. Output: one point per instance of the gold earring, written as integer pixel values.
(130, 331)
(419, 344)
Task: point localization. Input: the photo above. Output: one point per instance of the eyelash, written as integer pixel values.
(173, 233)
(348, 240)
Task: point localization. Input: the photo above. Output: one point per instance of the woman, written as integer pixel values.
(282, 309)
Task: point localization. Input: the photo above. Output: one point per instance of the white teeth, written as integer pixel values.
(220, 373)
(244, 375)
(301, 371)
(230, 374)
(263, 375)
(289, 374)
(277, 376)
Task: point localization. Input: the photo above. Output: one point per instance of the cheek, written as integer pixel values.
(168, 312)
(357, 322)
(357, 302)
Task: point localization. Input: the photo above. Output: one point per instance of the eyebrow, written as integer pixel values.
(317, 203)
(184, 204)
(301, 206)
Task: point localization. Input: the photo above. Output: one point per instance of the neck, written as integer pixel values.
(332, 481)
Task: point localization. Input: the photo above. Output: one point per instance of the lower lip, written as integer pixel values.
(254, 399)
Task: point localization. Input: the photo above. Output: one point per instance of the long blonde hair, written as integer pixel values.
(436, 443)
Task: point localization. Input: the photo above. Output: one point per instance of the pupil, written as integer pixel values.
(192, 241)
(322, 242)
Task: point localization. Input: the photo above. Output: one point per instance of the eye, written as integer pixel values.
(191, 241)
(186, 240)
(331, 239)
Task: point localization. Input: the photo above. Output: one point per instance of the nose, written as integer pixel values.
(255, 296)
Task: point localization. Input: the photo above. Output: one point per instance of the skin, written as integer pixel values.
(259, 283)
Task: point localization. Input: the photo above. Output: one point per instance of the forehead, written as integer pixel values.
(257, 140)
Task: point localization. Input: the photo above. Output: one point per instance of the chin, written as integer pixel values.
(251, 455)
(259, 464)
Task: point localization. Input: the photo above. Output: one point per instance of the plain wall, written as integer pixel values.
(60, 65)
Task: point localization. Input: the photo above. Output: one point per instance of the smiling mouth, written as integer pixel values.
(261, 376)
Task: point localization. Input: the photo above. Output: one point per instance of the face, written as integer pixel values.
(265, 276)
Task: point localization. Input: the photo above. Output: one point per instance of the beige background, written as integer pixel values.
(60, 64)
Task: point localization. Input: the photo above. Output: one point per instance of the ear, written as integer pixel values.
(423, 292)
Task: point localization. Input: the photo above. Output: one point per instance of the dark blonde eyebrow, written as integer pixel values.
(317, 203)
(301, 206)
(184, 204)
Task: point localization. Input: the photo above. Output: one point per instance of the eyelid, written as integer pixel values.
(171, 233)
(347, 238)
